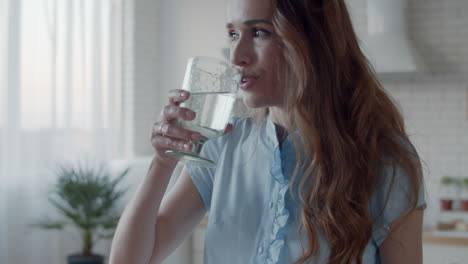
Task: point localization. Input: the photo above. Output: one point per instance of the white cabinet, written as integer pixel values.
(445, 247)
(444, 254)
(198, 243)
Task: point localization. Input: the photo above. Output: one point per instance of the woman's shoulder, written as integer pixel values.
(241, 129)
(241, 126)
(241, 121)
(237, 137)
(397, 187)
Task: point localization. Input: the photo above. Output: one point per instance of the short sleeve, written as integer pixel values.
(203, 178)
(397, 190)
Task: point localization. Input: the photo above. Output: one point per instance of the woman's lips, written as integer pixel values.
(247, 82)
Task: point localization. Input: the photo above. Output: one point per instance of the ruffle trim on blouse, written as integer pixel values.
(281, 213)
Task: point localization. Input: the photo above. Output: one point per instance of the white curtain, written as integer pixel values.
(60, 100)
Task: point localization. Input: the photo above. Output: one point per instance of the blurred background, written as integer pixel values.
(86, 79)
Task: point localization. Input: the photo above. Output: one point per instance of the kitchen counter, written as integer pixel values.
(433, 236)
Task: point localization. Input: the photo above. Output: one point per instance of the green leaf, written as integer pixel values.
(73, 216)
(87, 197)
(447, 180)
(106, 236)
(465, 182)
(48, 224)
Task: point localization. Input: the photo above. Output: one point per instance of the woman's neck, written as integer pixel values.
(277, 117)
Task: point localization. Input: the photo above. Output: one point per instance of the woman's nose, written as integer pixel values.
(241, 53)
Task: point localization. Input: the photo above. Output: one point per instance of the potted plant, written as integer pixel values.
(86, 198)
(447, 193)
(464, 198)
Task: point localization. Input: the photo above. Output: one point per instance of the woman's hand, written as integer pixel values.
(166, 135)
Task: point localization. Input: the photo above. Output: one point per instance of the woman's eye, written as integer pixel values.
(233, 35)
(257, 32)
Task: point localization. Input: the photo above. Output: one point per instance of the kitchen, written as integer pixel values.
(433, 97)
(426, 72)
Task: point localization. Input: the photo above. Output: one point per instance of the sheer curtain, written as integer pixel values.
(60, 100)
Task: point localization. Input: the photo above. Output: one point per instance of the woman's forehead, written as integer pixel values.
(239, 11)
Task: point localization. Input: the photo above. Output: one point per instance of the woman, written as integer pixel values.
(323, 172)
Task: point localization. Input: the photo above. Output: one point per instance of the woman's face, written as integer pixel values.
(256, 51)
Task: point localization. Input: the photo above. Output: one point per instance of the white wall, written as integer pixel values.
(188, 28)
(436, 119)
(166, 34)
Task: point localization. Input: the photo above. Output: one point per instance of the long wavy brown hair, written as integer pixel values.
(350, 127)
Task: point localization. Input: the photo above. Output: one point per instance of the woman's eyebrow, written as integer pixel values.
(251, 22)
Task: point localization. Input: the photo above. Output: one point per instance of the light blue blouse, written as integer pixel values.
(252, 216)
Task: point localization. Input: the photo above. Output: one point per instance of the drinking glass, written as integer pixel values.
(213, 85)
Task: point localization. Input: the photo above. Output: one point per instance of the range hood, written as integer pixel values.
(387, 44)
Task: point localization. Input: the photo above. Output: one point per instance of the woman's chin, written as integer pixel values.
(258, 100)
(253, 102)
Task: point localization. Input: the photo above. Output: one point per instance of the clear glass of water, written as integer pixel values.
(213, 85)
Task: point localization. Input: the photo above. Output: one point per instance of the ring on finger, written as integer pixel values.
(161, 128)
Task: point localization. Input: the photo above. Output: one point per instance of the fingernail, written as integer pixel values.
(196, 137)
(190, 114)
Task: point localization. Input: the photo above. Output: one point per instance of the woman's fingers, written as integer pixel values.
(178, 96)
(166, 143)
(171, 112)
(171, 130)
(166, 134)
